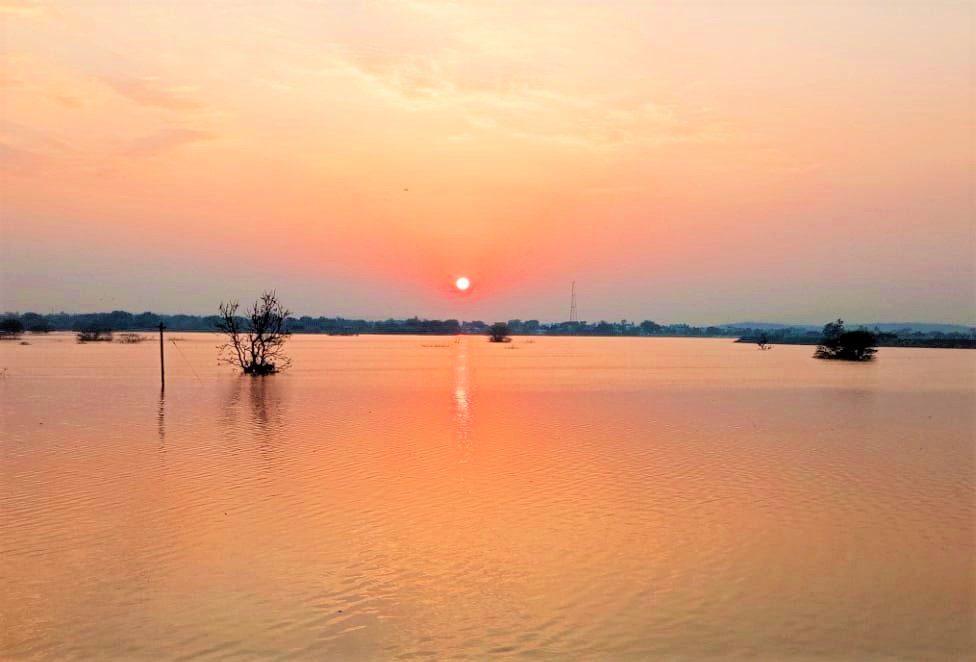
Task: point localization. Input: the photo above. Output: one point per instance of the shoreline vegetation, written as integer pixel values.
(122, 321)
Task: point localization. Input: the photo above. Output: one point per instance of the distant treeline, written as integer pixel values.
(120, 320)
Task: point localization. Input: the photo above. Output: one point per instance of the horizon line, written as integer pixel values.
(371, 318)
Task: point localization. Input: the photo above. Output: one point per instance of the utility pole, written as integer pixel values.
(162, 364)
(572, 304)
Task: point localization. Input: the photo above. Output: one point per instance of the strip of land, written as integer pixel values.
(888, 335)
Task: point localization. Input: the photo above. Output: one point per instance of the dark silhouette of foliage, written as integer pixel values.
(840, 344)
(35, 323)
(832, 330)
(650, 327)
(256, 342)
(11, 328)
(499, 332)
(763, 342)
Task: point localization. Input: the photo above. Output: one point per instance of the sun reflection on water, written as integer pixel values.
(462, 396)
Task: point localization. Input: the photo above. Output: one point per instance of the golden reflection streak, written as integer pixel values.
(462, 397)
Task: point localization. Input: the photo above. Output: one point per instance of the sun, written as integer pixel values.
(462, 283)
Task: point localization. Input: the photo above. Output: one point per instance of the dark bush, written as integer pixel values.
(11, 328)
(840, 344)
(499, 332)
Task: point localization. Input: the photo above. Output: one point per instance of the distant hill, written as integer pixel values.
(924, 327)
(766, 325)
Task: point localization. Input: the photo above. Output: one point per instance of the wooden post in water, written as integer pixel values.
(162, 364)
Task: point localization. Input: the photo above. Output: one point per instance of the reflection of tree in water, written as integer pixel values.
(255, 405)
(264, 396)
(229, 424)
(462, 397)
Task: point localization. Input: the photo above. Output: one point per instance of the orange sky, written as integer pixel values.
(682, 161)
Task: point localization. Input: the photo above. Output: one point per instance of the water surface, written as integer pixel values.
(408, 497)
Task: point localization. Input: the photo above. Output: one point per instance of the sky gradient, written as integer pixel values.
(704, 162)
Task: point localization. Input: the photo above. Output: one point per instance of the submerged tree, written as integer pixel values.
(840, 344)
(499, 332)
(95, 333)
(256, 341)
(763, 342)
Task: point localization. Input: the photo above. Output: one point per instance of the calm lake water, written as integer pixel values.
(441, 497)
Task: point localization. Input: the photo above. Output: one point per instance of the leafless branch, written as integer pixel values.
(255, 342)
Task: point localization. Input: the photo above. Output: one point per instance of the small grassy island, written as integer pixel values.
(842, 345)
(499, 332)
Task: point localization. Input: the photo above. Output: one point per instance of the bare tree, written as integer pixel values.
(255, 342)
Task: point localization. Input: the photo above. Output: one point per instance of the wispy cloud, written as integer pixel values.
(150, 91)
(527, 111)
(25, 137)
(165, 141)
(17, 161)
(11, 69)
(27, 151)
(70, 101)
(24, 7)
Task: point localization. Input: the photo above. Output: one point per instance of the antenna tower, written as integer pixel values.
(573, 317)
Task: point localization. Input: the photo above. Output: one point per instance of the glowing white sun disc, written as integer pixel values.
(462, 283)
